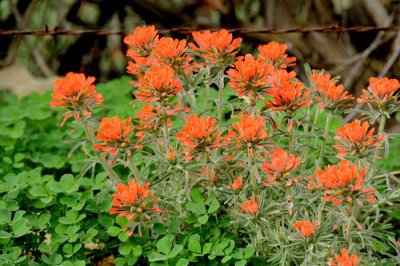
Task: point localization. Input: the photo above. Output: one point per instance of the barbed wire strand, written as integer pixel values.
(324, 29)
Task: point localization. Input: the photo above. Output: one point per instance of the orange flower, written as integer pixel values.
(356, 138)
(342, 182)
(135, 202)
(279, 167)
(141, 41)
(199, 135)
(217, 46)
(288, 97)
(381, 91)
(250, 77)
(330, 96)
(171, 52)
(306, 228)
(171, 155)
(114, 138)
(158, 84)
(237, 184)
(281, 77)
(77, 94)
(345, 259)
(274, 53)
(248, 133)
(250, 206)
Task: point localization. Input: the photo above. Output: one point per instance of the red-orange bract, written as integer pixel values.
(217, 46)
(250, 78)
(113, 135)
(199, 135)
(330, 96)
(158, 85)
(356, 138)
(141, 41)
(380, 91)
(134, 202)
(237, 184)
(250, 206)
(279, 167)
(77, 94)
(306, 228)
(248, 133)
(275, 53)
(171, 52)
(342, 182)
(288, 97)
(344, 259)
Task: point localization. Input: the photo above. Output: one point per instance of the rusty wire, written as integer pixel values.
(99, 32)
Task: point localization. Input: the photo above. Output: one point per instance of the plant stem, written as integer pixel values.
(382, 124)
(307, 149)
(291, 137)
(253, 176)
(326, 132)
(90, 136)
(166, 131)
(193, 101)
(349, 224)
(133, 167)
(207, 89)
(220, 92)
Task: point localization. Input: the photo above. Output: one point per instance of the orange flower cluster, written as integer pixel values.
(141, 41)
(250, 78)
(199, 135)
(342, 182)
(134, 202)
(356, 139)
(147, 49)
(250, 206)
(217, 47)
(330, 96)
(77, 94)
(288, 97)
(113, 135)
(344, 259)
(248, 133)
(158, 84)
(172, 52)
(275, 53)
(381, 92)
(306, 228)
(279, 167)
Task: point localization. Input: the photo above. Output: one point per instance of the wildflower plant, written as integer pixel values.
(265, 173)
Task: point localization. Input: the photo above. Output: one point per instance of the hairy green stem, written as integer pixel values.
(134, 169)
(291, 137)
(166, 131)
(220, 93)
(92, 139)
(349, 223)
(307, 149)
(207, 89)
(253, 176)
(326, 133)
(382, 124)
